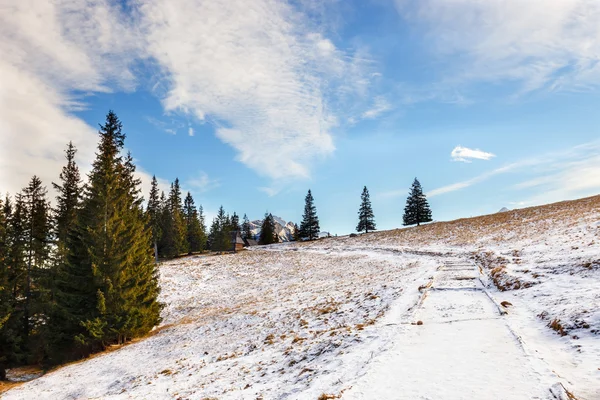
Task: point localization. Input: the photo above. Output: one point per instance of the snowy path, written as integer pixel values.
(463, 350)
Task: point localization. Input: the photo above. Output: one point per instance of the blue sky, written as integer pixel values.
(251, 103)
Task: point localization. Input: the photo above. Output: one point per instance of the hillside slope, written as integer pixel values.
(299, 320)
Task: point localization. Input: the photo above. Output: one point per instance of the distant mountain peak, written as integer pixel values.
(285, 230)
(503, 209)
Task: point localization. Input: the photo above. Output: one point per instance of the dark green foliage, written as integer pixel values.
(8, 345)
(220, 232)
(37, 247)
(417, 209)
(296, 235)
(195, 236)
(267, 231)
(309, 227)
(235, 223)
(174, 235)
(107, 292)
(366, 218)
(153, 210)
(246, 229)
(67, 201)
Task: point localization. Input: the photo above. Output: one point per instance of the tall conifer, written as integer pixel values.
(194, 234)
(366, 218)
(108, 291)
(309, 227)
(153, 212)
(246, 228)
(267, 231)
(417, 209)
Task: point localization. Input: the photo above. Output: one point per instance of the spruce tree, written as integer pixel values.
(366, 218)
(246, 228)
(153, 210)
(235, 222)
(7, 345)
(164, 225)
(109, 288)
(65, 212)
(296, 235)
(220, 233)
(201, 221)
(37, 247)
(309, 227)
(417, 209)
(194, 231)
(14, 270)
(267, 231)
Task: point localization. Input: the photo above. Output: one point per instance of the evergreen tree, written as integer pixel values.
(309, 227)
(65, 212)
(153, 211)
(366, 218)
(7, 345)
(417, 209)
(107, 292)
(267, 231)
(14, 270)
(235, 222)
(202, 223)
(220, 233)
(246, 228)
(296, 235)
(37, 239)
(164, 225)
(194, 231)
(175, 235)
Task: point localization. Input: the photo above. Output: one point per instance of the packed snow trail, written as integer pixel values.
(463, 350)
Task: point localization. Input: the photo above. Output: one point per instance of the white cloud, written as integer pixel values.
(202, 182)
(549, 45)
(464, 154)
(570, 173)
(190, 131)
(478, 179)
(380, 106)
(49, 50)
(259, 70)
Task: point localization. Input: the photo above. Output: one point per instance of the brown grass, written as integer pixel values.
(467, 231)
(558, 327)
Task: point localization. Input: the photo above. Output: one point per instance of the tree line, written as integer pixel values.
(78, 277)
(82, 275)
(416, 212)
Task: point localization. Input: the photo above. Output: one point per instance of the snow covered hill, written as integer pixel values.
(285, 230)
(502, 306)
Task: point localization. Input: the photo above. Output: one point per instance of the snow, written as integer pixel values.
(338, 316)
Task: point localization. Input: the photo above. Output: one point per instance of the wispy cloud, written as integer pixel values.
(202, 182)
(49, 52)
(551, 45)
(464, 154)
(269, 191)
(380, 106)
(478, 179)
(560, 175)
(190, 131)
(262, 72)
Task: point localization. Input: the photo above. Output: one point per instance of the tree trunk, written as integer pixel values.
(155, 252)
(2, 372)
